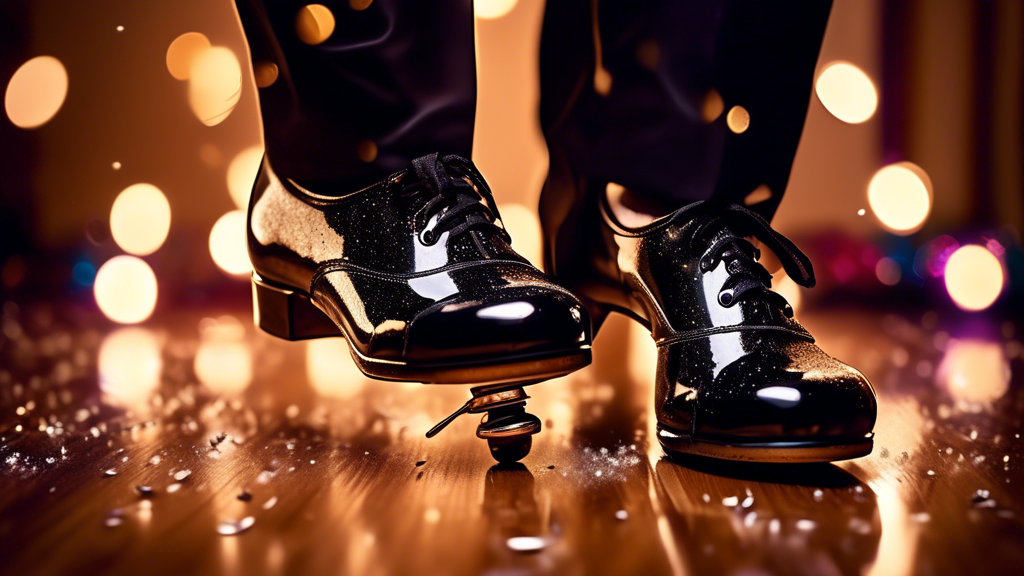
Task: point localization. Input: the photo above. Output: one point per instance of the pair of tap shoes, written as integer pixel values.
(419, 276)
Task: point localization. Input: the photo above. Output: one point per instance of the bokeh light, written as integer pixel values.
(227, 243)
(84, 273)
(210, 155)
(602, 81)
(265, 74)
(314, 24)
(331, 371)
(130, 364)
(36, 92)
(900, 196)
(524, 227)
(242, 174)
(847, 92)
(140, 219)
(888, 271)
(367, 150)
(974, 278)
(491, 9)
(183, 52)
(223, 362)
(712, 106)
(738, 119)
(125, 289)
(215, 84)
(974, 371)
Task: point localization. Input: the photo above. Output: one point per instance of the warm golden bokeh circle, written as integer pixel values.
(183, 51)
(130, 364)
(846, 92)
(900, 195)
(974, 277)
(738, 119)
(227, 244)
(712, 106)
(314, 24)
(223, 365)
(367, 150)
(602, 81)
(974, 371)
(140, 219)
(36, 92)
(265, 74)
(214, 84)
(125, 289)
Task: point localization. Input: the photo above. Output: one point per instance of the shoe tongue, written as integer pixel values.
(431, 170)
(716, 229)
(439, 180)
(456, 189)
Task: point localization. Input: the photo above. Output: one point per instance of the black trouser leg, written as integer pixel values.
(656, 122)
(394, 81)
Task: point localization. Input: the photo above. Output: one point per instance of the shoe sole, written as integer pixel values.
(788, 452)
(290, 314)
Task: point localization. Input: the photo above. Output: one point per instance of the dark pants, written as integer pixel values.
(397, 80)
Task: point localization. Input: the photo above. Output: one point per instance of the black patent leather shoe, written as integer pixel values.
(739, 378)
(419, 276)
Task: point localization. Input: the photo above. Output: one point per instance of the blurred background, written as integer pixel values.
(131, 137)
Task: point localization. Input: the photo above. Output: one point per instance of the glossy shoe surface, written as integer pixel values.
(739, 378)
(417, 272)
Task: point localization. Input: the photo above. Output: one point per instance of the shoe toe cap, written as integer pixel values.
(802, 395)
(517, 320)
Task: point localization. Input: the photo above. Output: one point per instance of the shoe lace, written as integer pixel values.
(461, 199)
(746, 275)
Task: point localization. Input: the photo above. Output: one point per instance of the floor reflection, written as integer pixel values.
(510, 504)
(337, 475)
(747, 518)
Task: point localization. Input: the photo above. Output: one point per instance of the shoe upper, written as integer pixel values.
(734, 363)
(415, 267)
(695, 273)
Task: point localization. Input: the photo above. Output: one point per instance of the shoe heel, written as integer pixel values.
(288, 314)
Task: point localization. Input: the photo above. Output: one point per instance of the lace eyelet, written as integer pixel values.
(725, 298)
(427, 237)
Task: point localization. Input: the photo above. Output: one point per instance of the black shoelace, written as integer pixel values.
(461, 199)
(746, 275)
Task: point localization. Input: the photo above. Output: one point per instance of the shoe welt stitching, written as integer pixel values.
(339, 265)
(705, 332)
